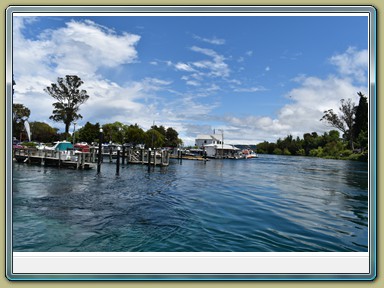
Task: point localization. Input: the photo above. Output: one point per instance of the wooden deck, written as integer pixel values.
(156, 157)
(87, 160)
(64, 159)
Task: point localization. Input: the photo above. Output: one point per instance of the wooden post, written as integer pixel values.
(149, 159)
(29, 156)
(110, 154)
(123, 156)
(78, 161)
(162, 158)
(118, 161)
(59, 159)
(99, 152)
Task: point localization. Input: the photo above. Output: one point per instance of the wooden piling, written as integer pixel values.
(149, 159)
(118, 162)
(99, 157)
(123, 156)
(78, 161)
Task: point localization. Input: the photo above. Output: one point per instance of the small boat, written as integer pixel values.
(82, 147)
(59, 146)
(249, 154)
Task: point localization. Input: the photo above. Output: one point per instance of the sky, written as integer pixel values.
(257, 78)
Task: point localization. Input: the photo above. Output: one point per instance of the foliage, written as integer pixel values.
(134, 135)
(328, 145)
(360, 128)
(113, 132)
(170, 135)
(28, 144)
(20, 114)
(172, 138)
(43, 132)
(69, 98)
(88, 133)
(351, 120)
(119, 133)
(154, 139)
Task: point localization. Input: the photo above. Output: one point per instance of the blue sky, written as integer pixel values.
(256, 77)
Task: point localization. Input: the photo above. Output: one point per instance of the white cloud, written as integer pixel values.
(213, 40)
(352, 63)
(192, 83)
(184, 67)
(250, 89)
(309, 100)
(216, 68)
(81, 48)
(84, 48)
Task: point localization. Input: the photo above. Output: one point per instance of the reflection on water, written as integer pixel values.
(273, 203)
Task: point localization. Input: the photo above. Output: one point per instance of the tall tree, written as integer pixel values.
(20, 114)
(89, 133)
(69, 98)
(361, 119)
(114, 132)
(42, 132)
(344, 120)
(154, 138)
(135, 135)
(172, 138)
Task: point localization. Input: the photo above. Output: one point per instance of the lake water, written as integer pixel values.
(273, 203)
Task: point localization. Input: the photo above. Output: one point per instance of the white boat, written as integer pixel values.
(59, 146)
(249, 154)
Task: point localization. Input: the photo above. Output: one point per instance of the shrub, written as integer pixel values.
(277, 151)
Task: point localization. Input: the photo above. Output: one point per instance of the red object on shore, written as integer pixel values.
(81, 147)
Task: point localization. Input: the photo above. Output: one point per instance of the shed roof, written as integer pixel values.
(222, 146)
(209, 137)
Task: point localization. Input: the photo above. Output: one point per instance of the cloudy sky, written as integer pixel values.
(256, 77)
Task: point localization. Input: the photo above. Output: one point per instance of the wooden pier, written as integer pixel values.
(87, 160)
(156, 157)
(66, 159)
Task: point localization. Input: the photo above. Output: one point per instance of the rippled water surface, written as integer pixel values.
(273, 203)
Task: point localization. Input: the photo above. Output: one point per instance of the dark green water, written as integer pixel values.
(273, 203)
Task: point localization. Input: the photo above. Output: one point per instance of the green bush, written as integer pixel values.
(277, 151)
(316, 152)
(346, 153)
(286, 151)
(300, 152)
(28, 144)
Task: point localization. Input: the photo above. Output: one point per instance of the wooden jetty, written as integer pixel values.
(156, 157)
(87, 160)
(66, 159)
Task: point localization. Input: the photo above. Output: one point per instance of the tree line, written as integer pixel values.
(117, 132)
(69, 97)
(352, 121)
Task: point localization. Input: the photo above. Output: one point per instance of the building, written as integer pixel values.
(203, 140)
(214, 146)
